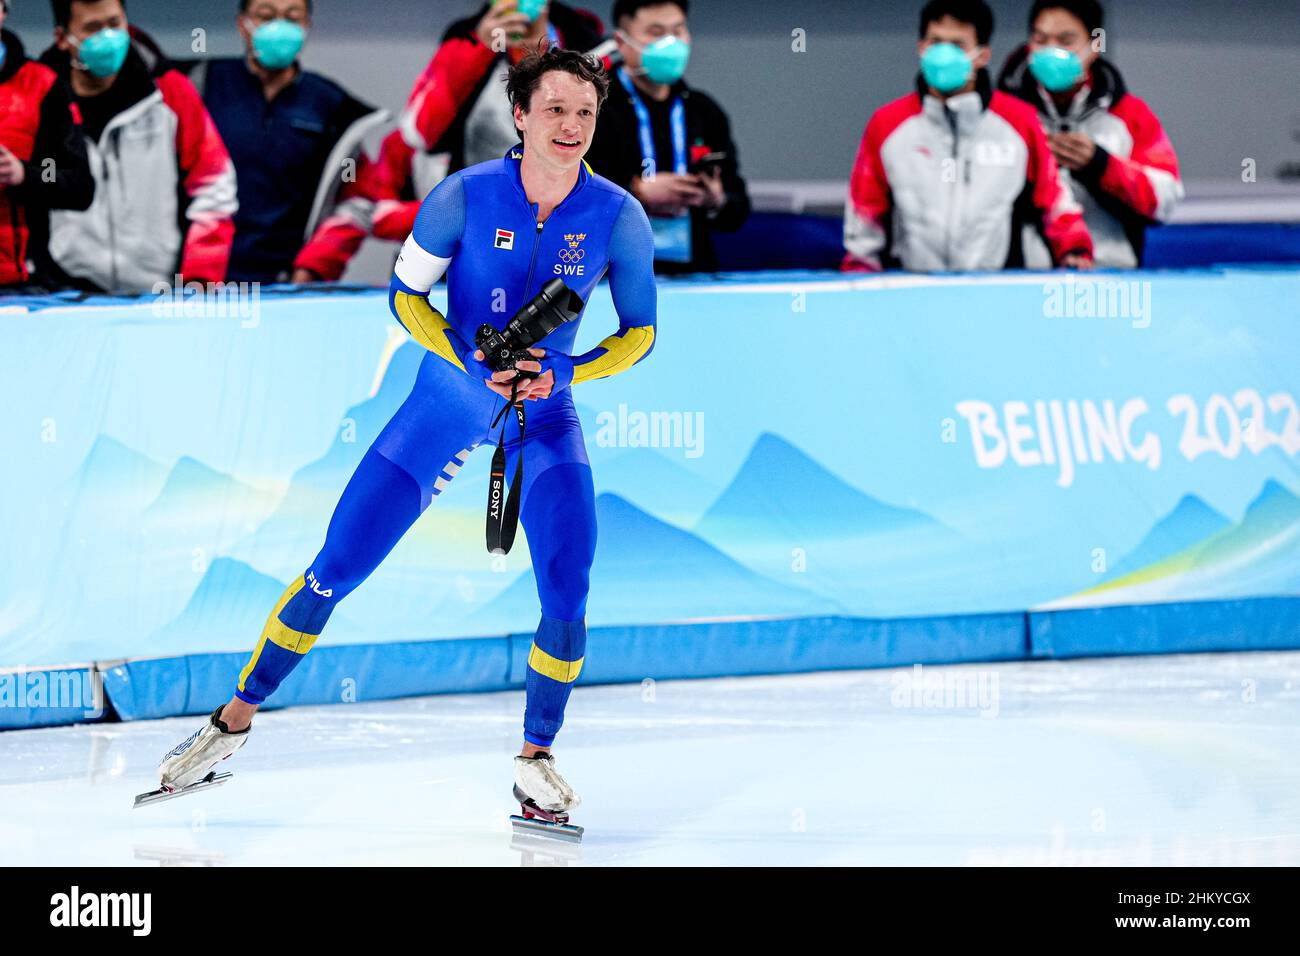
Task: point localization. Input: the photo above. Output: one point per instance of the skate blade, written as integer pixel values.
(568, 832)
(213, 779)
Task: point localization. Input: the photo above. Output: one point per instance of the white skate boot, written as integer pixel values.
(544, 797)
(189, 766)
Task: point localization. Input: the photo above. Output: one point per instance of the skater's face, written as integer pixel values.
(560, 120)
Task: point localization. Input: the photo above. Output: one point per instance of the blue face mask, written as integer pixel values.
(532, 9)
(277, 44)
(1058, 70)
(103, 53)
(664, 61)
(946, 67)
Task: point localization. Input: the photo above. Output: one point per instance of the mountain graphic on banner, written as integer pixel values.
(113, 472)
(281, 543)
(365, 421)
(659, 485)
(1191, 522)
(227, 612)
(1260, 554)
(647, 570)
(784, 511)
(781, 490)
(196, 496)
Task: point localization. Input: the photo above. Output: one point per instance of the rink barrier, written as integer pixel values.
(47, 696)
(94, 367)
(1248, 624)
(151, 688)
(196, 684)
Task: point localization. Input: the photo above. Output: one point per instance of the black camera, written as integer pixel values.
(504, 349)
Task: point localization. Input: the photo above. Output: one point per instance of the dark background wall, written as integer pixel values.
(1222, 76)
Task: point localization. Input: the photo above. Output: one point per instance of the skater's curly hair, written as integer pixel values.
(527, 73)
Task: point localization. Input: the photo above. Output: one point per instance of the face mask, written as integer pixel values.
(532, 9)
(946, 67)
(103, 53)
(1058, 70)
(277, 44)
(664, 61)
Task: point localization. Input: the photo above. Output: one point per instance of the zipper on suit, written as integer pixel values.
(537, 235)
(532, 261)
(537, 241)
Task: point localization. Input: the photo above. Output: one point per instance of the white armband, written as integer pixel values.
(417, 268)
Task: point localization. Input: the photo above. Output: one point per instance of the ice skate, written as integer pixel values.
(189, 767)
(544, 798)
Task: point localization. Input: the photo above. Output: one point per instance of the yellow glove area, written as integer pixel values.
(427, 325)
(623, 349)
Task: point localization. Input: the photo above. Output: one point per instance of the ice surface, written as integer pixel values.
(1152, 760)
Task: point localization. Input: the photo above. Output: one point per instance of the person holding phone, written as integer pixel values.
(666, 143)
(1117, 159)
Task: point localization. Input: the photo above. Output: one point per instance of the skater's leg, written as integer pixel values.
(559, 516)
(379, 504)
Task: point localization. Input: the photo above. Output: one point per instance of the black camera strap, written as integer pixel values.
(503, 509)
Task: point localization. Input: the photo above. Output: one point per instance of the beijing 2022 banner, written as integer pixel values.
(796, 445)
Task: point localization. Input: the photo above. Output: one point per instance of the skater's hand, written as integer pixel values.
(500, 382)
(531, 389)
(539, 387)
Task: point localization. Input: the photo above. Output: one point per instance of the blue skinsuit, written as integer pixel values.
(479, 227)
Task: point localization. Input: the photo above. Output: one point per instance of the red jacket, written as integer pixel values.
(39, 126)
(1132, 180)
(940, 186)
(163, 203)
(448, 123)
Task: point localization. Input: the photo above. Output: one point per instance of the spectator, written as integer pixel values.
(667, 144)
(164, 184)
(294, 136)
(457, 115)
(1117, 159)
(43, 162)
(940, 172)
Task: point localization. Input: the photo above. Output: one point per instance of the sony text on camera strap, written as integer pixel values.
(503, 349)
(503, 508)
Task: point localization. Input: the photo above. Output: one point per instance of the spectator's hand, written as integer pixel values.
(1072, 150)
(715, 196)
(301, 275)
(668, 194)
(1077, 260)
(12, 171)
(506, 17)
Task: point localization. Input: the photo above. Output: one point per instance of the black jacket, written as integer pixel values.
(615, 153)
(58, 174)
